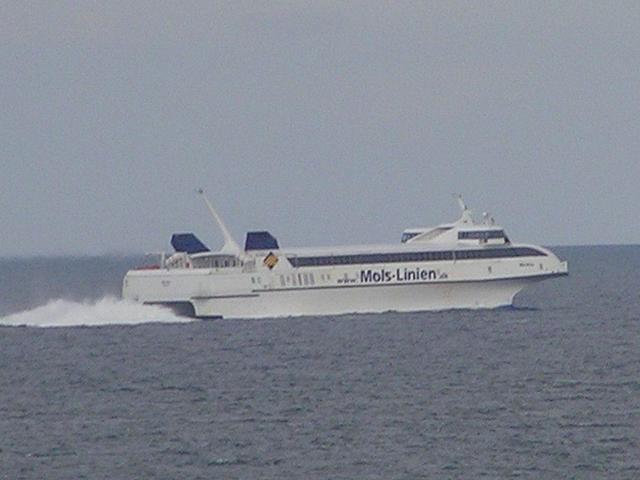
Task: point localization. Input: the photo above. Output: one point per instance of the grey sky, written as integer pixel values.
(324, 122)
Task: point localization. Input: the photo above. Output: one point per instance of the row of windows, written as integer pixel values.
(480, 234)
(295, 280)
(498, 253)
(213, 262)
(414, 256)
(301, 279)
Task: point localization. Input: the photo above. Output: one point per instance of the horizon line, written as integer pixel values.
(142, 254)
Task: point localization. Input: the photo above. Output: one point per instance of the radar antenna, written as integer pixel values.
(488, 219)
(230, 246)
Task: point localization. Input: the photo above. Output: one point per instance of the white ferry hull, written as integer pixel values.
(203, 295)
(370, 299)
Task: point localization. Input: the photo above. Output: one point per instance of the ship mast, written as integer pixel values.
(230, 246)
(465, 216)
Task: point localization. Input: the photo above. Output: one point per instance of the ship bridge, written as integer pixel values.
(467, 231)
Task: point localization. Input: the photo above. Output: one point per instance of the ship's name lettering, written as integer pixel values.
(398, 275)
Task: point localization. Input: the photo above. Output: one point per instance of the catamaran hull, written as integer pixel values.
(330, 301)
(352, 299)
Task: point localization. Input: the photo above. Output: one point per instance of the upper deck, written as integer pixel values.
(464, 240)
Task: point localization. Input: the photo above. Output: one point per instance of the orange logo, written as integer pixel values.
(270, 260)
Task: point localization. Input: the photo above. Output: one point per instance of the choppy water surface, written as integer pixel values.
(550, 389)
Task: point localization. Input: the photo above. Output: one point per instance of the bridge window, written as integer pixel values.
(480, 234)
(408, 236)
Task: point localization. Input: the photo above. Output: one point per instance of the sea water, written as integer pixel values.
(547, 389)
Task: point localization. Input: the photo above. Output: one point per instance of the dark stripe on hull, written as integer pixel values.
(213, 297)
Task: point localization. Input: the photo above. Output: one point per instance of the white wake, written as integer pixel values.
(107, 311)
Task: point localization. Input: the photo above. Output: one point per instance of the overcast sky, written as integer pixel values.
(323, 122)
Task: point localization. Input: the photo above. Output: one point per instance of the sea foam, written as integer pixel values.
(106, 311)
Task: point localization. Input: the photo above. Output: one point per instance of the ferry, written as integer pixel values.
(467, 264)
